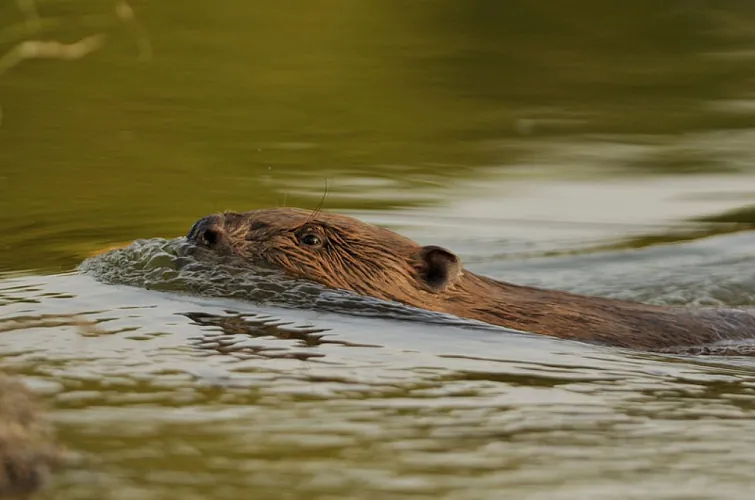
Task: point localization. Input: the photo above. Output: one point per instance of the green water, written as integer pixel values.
(600, 147)
(192, 108)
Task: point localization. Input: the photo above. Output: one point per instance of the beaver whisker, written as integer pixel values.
(319, 206)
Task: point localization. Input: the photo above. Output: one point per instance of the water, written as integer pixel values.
(593, 147)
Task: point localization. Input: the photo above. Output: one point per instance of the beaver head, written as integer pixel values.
(334, 250)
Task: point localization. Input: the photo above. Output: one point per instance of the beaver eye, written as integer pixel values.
(311, 240)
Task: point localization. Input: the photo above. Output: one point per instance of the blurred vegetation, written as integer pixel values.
(191, 107)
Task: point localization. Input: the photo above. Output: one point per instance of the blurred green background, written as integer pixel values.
(195, 106)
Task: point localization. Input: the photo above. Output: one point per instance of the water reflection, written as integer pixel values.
(253, 105)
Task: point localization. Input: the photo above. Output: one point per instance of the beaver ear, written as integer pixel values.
(439, 268)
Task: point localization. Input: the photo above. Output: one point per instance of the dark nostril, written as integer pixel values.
(210, 237)
(206, 231)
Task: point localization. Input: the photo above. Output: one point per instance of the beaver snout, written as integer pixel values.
(207, 231)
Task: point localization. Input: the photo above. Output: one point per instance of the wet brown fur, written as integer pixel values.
(376, 262)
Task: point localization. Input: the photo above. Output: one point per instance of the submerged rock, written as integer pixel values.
(28, 452)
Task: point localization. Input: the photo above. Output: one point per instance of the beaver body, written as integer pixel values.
(345, 253)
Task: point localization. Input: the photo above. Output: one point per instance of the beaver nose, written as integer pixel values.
(206, 231)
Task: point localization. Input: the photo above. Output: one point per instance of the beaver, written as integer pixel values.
(342, 252)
